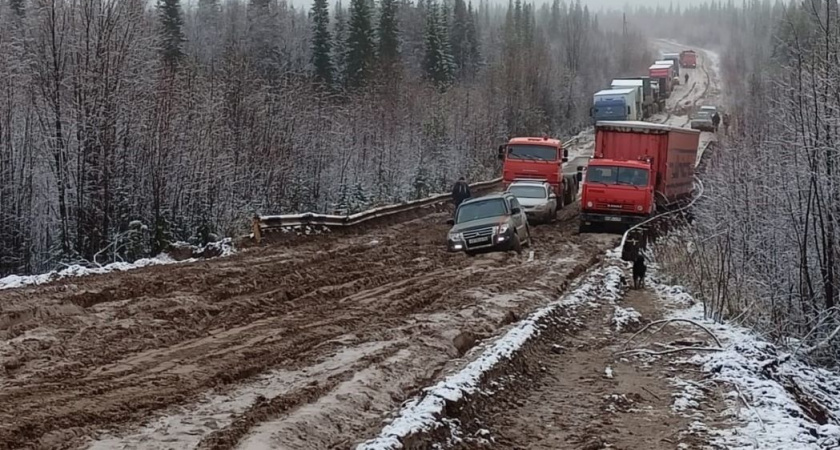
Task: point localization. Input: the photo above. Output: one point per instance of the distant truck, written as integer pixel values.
(675, 58)
(615, 104)
(675, 78)
(646, 96)
(688, 59)
(638, 168)
(664, 76)
(538, 158)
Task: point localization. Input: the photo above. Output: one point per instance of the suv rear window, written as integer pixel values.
(528, 191)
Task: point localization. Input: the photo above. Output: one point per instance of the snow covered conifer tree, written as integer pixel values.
(321, 42)
(171, 31)
(361, 48)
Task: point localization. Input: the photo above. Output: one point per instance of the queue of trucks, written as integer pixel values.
(637, 168)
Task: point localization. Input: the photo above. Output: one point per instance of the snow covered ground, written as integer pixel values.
(775, 400)
(76, 270)
(424, 412)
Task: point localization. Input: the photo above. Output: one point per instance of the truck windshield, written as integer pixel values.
(534, 152)
(617, 175)
(481, 210)
(528, 191)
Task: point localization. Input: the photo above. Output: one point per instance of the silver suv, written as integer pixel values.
(537, 199)
(492, 222)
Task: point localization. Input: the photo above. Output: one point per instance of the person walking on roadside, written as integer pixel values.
(460, 192)
(726, 120)
(686, 78)
(715, 121)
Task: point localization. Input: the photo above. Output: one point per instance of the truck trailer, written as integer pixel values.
(675, 78)
(663, 74)
(538, 159)
(688, 59)
(615, 104)
(638, 168)
(646, 94)
(675, 58)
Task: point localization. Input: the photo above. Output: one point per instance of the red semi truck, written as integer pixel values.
(638, 167)
(533, 158)
(665, 75)
(688, 59)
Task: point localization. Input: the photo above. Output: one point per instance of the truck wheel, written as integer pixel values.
(583, 228)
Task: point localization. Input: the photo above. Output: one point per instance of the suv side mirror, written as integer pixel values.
(515, 210)
(450, 221)
(501, 152)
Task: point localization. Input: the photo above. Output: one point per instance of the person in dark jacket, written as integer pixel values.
(716, 120)
(460, 192)
(686, 78)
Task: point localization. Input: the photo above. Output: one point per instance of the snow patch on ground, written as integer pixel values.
(423, 412)
(758, 373)
(223, 248)
(622, 317)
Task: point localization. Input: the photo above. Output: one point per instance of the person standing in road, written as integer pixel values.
(715, 121)
(460, 192)
(726, 120)
(686, 78)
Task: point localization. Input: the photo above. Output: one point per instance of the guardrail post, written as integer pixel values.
(255, 227)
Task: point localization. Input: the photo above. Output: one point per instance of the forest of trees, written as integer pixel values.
(125, 127)
(765, 241)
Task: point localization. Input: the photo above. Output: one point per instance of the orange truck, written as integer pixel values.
(638, 168)
(688, 59)
(539, 158)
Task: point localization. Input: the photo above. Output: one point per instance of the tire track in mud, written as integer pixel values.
(110, 351)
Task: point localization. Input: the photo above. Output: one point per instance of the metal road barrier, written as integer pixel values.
(263, 224)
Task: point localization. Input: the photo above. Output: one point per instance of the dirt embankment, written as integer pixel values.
(231, 352)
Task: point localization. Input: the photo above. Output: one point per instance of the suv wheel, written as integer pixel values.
(528, 233)
(516, 244)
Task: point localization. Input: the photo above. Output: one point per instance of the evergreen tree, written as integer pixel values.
(361, 49)
(321, 44)
(458, 34)
(171, 31)
(437, 63)
(17, 6)
(389, 44)
(473, 49)
(554, 23)
(339, 48)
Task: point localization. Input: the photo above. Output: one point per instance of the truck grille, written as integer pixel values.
(479, 237)
(613, 207)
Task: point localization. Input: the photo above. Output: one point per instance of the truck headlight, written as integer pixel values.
(588, 204)
(639, 208)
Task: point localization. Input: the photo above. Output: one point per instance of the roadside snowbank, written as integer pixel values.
(424, 412)
(221, 248)
(791, 404)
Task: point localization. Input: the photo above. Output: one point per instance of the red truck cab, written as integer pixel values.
(688, 59)
(538, 158)
(638, 167)
(618, 191)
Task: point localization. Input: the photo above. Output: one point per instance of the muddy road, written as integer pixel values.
(303, 345)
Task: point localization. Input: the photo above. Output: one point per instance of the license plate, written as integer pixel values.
(478, 240)
(613, 219)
